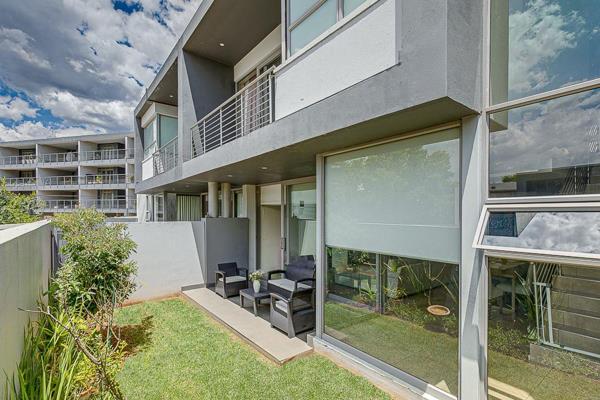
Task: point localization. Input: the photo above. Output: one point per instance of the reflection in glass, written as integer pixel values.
(299, 7)
(543, 331)
(540, 45)
(577, 232)
(314, 25)
(402, 311)
(302, 220)
(167, 130)
(550, 148)
(149, 142)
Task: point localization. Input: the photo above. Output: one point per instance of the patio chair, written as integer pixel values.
(230, 279)
(295, 314)
(298, 275)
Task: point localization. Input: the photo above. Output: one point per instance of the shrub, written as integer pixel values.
(17, 208)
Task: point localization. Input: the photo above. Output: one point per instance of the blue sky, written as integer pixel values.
(80, 66)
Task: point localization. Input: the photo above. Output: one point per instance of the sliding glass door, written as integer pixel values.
(392, 236)
(301, 220)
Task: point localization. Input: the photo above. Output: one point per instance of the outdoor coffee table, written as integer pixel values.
(254, 297)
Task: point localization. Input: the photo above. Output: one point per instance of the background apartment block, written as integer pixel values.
(91, 171)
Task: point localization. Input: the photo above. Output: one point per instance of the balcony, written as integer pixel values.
(87, 180)
(18, 160)
(53, 158)
(21, 183)
(106, 155)
(247, 110)
(165, 158)
(105, 205)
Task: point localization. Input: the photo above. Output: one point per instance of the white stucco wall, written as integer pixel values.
(168, 256)
(25, 262)
(363, 47)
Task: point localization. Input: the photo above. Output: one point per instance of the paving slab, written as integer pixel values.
(256, 331)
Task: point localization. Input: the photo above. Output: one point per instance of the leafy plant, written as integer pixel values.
(18, 208)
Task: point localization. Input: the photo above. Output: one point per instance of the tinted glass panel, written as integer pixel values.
(543, 331)
(401, 311)
(539, 45)
(351, 5)
(577, 232)
(550, 148)
(168, 130)
(149, 139)
(314, 25)
(302, 220)
(299, 7)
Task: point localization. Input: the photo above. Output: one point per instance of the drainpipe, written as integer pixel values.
(213, 199)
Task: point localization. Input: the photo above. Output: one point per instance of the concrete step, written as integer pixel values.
(580, 272)
(574, 321)
(565, 336)
(570, 301)
(580, 286)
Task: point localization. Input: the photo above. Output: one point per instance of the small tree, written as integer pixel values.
(17, 208)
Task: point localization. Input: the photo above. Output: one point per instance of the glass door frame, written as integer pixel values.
(285, 214)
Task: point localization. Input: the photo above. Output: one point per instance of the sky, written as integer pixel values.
(73, 67)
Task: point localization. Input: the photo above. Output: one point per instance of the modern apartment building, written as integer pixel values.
(66, 173)
(439, 159)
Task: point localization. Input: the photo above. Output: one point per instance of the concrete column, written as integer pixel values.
(473, 274)
(249, 211)
(213, 199)
(226, 199)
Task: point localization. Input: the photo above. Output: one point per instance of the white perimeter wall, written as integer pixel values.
(25, 262)
(363, 47)
(168, 257)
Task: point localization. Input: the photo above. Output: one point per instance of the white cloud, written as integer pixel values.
(87, 79)
(35, 130)
(538, 35)
(15, 108)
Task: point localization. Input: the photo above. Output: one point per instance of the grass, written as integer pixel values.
(186, 355)
(432, 357)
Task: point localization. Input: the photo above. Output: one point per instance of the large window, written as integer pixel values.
(307, 19)
(302, 220)
(167, 129)
(150, 138)
(392, 233)
(548, 148)
(540, 45)
(543, 331)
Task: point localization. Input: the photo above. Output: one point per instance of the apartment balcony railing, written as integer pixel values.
(57, 157)
(73, 180)
(101, 155)
(18, 160)
(20, 181)
(247, 110)
(165, 158)
(61, 205)
(98, 204)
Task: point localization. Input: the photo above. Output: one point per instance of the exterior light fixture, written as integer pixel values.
(222, 44)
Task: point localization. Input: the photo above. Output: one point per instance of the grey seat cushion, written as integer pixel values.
(298, 305)
(287, 284)
(233, 279)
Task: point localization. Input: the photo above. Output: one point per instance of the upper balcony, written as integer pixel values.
(11, 161)
(68, 158)
(74, 182)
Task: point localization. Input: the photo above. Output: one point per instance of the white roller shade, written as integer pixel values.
(399, 198)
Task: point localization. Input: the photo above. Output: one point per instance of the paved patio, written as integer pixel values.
(255, 330)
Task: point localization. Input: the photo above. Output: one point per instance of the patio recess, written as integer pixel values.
(256, 331)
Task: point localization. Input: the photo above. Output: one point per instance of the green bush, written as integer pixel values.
(17, 208)
(96, 272)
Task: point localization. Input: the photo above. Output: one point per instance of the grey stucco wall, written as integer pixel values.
(226, 241)
(168, 257)
(25, 262)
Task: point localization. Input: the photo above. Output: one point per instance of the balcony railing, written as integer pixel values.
(98, 204)
(73, 180)
(57, 157)
(29, 181)
(247, 110)
(165, 158)
(18, 160)
(109, 154)
(50, 158)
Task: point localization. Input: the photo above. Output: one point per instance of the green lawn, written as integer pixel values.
(433, 357)
(183, 354)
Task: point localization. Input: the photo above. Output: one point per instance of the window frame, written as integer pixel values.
(565, 257)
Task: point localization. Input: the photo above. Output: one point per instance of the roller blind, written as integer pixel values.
(399, 198)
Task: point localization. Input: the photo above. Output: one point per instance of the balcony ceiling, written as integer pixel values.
(166, 91)
(239, 25)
